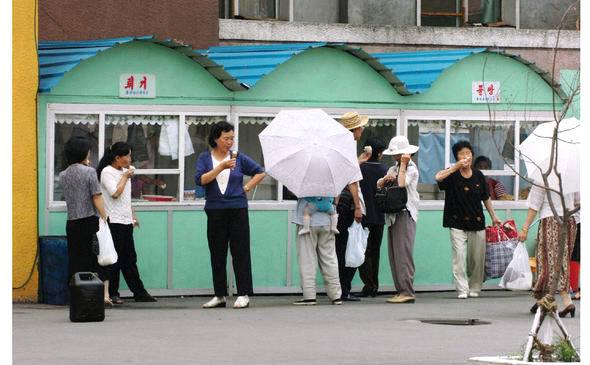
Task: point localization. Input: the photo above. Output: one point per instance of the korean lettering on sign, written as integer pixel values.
(485, 92)
(137, 86)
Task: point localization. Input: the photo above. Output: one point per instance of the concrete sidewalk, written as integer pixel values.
(273, 331)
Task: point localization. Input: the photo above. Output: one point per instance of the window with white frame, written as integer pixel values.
(249, 144)
(494, 141)
(429, 135)
(165, 147)
(67, 126)
(198, 130)
(385, 129)
(154, 143)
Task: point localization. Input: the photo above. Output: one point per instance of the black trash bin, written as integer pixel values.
(53, 270)
(87, 302)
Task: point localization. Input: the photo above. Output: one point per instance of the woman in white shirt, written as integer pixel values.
(115, 171)
(548, 245)
(401, 227)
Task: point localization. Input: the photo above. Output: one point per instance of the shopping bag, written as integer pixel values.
(356, 245)
(498, 255)
(518, 275)
(507, 230)
(107, 254)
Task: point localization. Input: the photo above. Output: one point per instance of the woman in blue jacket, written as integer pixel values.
(221, 172)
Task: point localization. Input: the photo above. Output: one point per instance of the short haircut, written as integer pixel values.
(76, 149)
(216, 131)
(377, 146)
(459, 146)
(482, 159)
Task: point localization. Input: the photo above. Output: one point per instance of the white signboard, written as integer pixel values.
(137, 86)
(485, 92)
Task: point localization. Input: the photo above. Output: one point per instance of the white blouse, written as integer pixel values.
(223, 177)
(118, 210)
(537, 200)
(412, 176)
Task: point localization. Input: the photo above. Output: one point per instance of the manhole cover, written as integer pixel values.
(455, 321)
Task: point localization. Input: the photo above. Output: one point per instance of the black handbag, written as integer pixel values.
(391, 198)
(345, 202)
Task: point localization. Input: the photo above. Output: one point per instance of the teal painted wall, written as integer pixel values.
(190, 252)
(191, 268)
(177, 77)
(322, 77)
(521, 88)
(268, 247)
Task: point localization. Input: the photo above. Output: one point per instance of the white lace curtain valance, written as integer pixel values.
(76, 118)
(113, 119)
(256, 120)
(204, 120)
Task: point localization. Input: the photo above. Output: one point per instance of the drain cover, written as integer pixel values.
(454, 321)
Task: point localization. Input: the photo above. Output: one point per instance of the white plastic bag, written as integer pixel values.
(518, 275)
(107, 255)
(356, 245)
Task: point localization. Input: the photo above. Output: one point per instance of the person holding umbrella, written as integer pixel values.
(465, 188)
(548, 245)
(544, 151)
(350, 206)
(314, 156)
(221, 172)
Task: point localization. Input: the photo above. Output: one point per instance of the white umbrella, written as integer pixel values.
(310, 153)
(536, 152)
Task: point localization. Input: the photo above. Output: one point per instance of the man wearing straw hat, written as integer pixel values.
(350, 206)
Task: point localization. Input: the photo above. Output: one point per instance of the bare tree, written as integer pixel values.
(547, 306)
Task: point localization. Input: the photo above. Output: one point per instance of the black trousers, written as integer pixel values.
(80, 234)
(369, 270)
(233, 226)
(345, 219)
(576, 251)
(127, 263)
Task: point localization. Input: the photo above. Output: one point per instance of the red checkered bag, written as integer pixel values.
(509, 228)
(497, 234)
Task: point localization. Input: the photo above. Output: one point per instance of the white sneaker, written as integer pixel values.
(462, 296)
(215, 302)
(474, 294)
(242, 302)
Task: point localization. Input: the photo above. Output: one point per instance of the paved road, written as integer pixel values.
(273, 331)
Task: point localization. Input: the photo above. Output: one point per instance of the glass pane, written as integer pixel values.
(501, 187)
(382, 128)
(66, 127)
(154, 188)
(491, 140)
(249, 144)
(429, 135)
(526, 128)
(199, 128)
(154, 139)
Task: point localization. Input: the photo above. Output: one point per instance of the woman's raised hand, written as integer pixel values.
(228, 164)
(129, 173)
